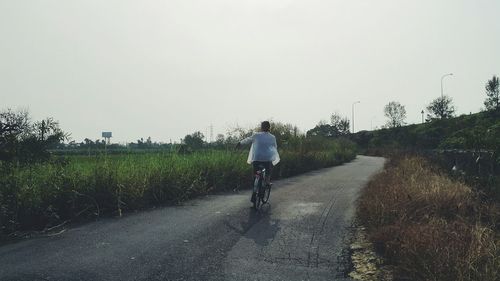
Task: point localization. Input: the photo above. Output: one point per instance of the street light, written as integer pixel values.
(442, 77)
(353, 115)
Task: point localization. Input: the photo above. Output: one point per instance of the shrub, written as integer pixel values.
(430, 227)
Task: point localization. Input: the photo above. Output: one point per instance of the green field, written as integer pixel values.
(67, 187)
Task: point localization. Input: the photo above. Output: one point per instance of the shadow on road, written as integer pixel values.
(258, 226)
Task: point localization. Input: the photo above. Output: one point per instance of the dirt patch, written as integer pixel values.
(366, 264)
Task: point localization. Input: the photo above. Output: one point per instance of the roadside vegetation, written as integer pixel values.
(436, 216)
(479, 131)
(442, 129)
(40, 189)
(467, 145)
(429, 226)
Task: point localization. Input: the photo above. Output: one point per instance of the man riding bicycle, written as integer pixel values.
(263, 152)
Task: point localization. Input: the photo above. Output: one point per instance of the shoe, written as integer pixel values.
(253, 197)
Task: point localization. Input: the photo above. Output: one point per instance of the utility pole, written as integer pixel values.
(371, 123)
(211, 133)
(353, 115)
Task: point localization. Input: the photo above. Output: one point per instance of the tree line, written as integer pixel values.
(24, 140)
(442, 107)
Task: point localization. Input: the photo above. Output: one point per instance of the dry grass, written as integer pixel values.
(429, 226)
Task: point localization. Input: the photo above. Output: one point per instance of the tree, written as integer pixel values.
(284, 132)
(396, 113)
(323, 130)
(237, 133)
(194, 140)
(88, 142)
(13, 125)
(219, 140)
(341, 124)
(23, 141)
(440, 108)
(48, 131)
(492, 102)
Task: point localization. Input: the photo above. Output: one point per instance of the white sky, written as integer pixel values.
(167, 68)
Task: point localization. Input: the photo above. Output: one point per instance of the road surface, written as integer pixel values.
(298, 236)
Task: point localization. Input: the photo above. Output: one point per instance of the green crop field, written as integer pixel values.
(36, 196)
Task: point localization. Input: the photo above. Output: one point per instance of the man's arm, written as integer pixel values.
(247, 140)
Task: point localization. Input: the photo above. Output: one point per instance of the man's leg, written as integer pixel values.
(269, 170)
(255, 167)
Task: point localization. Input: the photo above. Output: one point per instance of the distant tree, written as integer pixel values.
(322, 130)
(13, 126)
(340, 124)
(284, 132)
(194, 140)
(72, 144)
(236, 134)
(13, 123)
(46, 128)
(440, 108)
(24, 141)
(396, 113)
(492, 102)
(97, 144)
(219, 140)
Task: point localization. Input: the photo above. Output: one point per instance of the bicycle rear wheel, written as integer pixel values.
(257, 189)
(267, 193)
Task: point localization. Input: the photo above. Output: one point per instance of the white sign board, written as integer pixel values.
(106, 134)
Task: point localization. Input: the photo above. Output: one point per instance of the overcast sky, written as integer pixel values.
(168, 68)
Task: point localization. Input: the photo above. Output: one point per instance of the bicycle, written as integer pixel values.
(261, 191)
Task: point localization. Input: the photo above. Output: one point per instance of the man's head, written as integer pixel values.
(265, 126)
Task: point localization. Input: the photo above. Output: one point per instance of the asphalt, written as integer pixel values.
(299, 235)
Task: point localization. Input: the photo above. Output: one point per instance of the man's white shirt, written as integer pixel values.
(264, 148)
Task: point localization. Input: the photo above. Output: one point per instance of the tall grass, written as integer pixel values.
(41, 195)
(430, 227)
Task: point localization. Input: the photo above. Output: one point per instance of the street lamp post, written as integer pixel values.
(353, 115)
(442, 77)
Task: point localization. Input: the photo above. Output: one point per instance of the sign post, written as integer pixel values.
(107, 137)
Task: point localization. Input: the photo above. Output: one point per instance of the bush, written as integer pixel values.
(478, 131)
(429, 226)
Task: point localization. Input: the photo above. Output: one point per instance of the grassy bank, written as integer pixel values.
(431, 227)
(40, 195)
(478, 131)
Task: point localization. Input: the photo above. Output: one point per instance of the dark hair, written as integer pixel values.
(265, 126)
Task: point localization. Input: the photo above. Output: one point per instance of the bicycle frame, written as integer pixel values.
(261, 188)
(259, 174)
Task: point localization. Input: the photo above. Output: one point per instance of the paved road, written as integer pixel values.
(297, 237)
